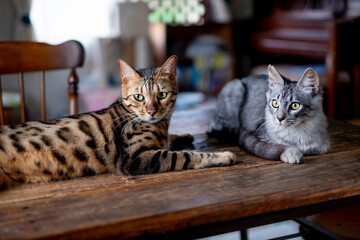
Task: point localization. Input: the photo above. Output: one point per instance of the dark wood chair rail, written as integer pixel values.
(22, 57)
(194, 203)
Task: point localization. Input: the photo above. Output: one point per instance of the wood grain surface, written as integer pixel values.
(108, 205)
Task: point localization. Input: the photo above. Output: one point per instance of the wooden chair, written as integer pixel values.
(21, 57)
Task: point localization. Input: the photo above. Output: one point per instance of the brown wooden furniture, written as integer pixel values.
(311, 32)
(186, 204)
(21, 57)
(344, 222)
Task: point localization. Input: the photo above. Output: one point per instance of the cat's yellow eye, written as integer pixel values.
(295, 106)
(275, 103)
(138, 97)
(162, 95)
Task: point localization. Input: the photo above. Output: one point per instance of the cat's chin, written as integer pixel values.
(151, 120)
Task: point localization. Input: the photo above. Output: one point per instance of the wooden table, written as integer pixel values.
(195, 203)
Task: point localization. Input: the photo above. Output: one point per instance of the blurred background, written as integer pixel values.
(215, 41)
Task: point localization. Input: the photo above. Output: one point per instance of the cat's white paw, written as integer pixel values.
(291, 155)
(218, 159)
(227, 158)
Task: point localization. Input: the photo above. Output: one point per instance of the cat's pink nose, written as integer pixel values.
(152, 112)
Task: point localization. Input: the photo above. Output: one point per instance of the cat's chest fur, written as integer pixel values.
(303, 136)
(147, 134)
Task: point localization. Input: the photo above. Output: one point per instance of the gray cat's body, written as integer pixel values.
(273, 117)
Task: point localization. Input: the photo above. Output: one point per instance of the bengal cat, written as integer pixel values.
(130, 137)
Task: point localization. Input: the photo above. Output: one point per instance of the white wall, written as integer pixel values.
(56, 81)
(56, 85)
(6, 20)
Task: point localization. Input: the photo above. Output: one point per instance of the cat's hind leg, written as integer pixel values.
(181, 142)
(228, 103)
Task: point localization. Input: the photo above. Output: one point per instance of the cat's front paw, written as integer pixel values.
(291, 155)
(227, 158)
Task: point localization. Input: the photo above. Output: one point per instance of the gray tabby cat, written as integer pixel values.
(273, 117)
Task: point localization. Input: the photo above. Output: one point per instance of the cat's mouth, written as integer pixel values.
(151, 119)
(155, 118)
(285, 122)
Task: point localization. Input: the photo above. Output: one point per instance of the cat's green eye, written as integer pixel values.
(138, 97)
(295, 106)
(275, 103)
(162, 95)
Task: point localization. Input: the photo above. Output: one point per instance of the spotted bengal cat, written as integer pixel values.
(130, 137)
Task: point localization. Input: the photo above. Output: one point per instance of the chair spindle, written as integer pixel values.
(22, 97)
(2, 115)
(42, 97)
(73, 86)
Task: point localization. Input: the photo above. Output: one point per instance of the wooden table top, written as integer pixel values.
(175, 205)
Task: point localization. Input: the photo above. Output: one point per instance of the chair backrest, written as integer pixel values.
(21, 57)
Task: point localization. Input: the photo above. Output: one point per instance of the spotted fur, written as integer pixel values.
(129, 137)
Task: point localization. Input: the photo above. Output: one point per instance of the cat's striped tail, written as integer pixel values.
(248, 142)
(253, 145)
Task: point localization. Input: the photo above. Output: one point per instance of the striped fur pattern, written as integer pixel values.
(273, 117)
(129, 137)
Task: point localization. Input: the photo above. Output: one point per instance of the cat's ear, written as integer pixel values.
(309, 82)
(168, 69)
(127, 72)
(275, 79)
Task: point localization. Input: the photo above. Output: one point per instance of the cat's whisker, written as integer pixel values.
(118, 104)
(260, 120)
(114, 121)
(299, 125)
(125, 115)
(127, 124)
(122, 130)
(136, 122)
(128, 114)
(127, 119)
(122, 116)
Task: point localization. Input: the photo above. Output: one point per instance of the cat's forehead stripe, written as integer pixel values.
(148, 83)
(287, 92)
